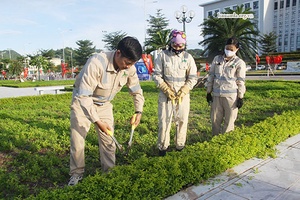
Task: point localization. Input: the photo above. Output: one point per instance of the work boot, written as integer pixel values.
(179, 149)
(74, 180)
(162, 152)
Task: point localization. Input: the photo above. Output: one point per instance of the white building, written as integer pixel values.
(280, 16)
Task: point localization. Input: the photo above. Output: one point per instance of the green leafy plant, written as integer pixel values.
(34, 150)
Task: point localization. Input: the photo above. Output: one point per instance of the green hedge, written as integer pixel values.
(34, 150)
(159, 177)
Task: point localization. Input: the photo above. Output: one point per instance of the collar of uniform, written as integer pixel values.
(232, 58)
(174, 54)
(110, 65)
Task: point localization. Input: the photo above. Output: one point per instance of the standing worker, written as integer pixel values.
(101, 78)
(226, 81)
(175, 74)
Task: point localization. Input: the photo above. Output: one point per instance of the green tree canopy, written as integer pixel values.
(157, 32)
(112, 39)
(217, 30)
(85, 50)
(268, 43)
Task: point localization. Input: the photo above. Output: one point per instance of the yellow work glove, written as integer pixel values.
(167, 91)
(182, 92)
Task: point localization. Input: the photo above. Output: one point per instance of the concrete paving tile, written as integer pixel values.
(286, 165)
(291, 141)
(270, 173)
(297, 146)
(289, 195)
(295, 187)
(251, 188)
(247, 165)
(209, 186)
(223, 195)
(293, 154)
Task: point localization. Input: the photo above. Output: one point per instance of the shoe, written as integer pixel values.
(162, 152)
(179, 149)
(74, 180)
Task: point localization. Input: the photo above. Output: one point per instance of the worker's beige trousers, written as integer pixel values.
(166, 111)
(80, 126)
(223, 109)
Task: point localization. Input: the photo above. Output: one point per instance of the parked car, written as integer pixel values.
(260, 67)
(248, 68)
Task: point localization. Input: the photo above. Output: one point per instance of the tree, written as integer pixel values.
(16, 66)
(84, 51)
(112, 39)
(217, 30)
(40, 62)
(268, 43)
(158, 32)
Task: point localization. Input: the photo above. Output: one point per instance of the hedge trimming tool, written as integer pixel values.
(114, 139)
(131, 133)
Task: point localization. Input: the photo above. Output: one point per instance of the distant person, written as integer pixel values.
(102, 77)
(226, 87)
(175, 74)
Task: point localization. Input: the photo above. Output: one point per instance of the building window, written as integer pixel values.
(287, 3)
(298, 41)
(247, 5)
(275, 5)
(281, 4)
(234, 7)
(292, 40)
(294, 2)
(279, 41)
(255, 5)
(209, 13)
(227, 8)
(216, 11)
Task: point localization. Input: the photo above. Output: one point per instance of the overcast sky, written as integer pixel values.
(27, 26)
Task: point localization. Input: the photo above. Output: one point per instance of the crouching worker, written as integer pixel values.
(175, 73)
(101, 78)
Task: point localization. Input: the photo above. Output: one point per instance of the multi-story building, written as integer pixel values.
(280, 16)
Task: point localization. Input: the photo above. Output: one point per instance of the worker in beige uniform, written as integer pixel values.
(175, 73)
(102, 77)
(226, 81)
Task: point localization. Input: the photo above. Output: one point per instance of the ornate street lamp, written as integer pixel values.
(182, 18)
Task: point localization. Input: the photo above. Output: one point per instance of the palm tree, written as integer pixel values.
(217, 30)
(158, 41)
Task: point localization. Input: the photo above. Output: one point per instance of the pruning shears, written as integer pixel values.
(120, 147)
(131, 133)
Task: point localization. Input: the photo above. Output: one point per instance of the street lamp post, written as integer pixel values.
(182, 18)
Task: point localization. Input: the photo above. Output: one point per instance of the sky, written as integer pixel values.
(28, 26)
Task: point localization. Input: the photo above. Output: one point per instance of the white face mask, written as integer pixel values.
(229, 53)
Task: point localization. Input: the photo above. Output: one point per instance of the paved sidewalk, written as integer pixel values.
(255, 179)
(7, 92)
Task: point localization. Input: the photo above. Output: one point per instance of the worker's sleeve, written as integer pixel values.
(191, 73)
(210, 78)
(89, 79)
(135, 90)
(158, 70)
(240, 81)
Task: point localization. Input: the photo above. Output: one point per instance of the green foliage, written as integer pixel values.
(83, 52)
(34, 150)
(218, 30)
(112, 40)
(157, 32)
(268, 42)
